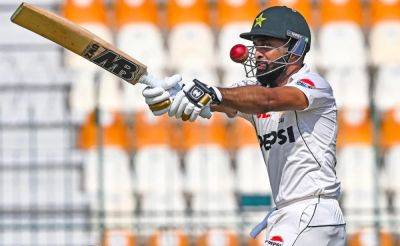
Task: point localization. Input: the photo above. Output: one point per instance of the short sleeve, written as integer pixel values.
(316, 89)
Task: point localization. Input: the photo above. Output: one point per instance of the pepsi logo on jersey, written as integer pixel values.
(283, 135)
(306, 83)
(275, 241)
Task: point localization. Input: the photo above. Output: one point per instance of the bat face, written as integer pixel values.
(80, 41)
(111, 61)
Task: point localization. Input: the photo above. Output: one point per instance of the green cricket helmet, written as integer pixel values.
(282, 23)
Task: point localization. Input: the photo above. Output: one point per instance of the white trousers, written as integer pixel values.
(308, 222)
(322, 236)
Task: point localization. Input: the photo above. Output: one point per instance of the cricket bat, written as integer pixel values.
(83, 43)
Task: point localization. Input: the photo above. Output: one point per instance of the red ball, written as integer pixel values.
(239, 53)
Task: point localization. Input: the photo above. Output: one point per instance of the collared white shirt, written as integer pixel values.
(299, 147)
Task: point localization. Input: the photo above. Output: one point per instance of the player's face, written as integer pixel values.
(269, 59)
(267, 51)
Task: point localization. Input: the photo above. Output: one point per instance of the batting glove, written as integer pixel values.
(194, 99)
(159, 91)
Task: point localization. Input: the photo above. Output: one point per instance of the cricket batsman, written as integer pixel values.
(297, 137)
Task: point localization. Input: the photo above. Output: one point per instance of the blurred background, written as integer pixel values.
(83, 162)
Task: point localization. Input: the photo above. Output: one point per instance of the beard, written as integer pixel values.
(266, 78)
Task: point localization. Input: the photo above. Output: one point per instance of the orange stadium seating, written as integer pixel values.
(367, 237)
(119, 237)
(139, 35)
(385, 32)
(189, 26)
(159, 179)
(209, 176)
(91, 15)
(218, 237)
(303, 6)
(168, 237)
(116, 179)
(162, 176)
(232, 19)
(251, 174)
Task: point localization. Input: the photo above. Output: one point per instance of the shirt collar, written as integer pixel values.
(304, 69)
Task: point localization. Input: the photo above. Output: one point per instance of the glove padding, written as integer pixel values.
(159, 91)
(195, 98)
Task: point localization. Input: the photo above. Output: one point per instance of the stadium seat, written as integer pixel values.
(251, 172)
(390, 136)
(332, 11)
(206, 75)
(91, 15)
(43, 188)
(367, 237)
(159, 179)
(358, 192)
(217, 237)
(357, 155)
(53, 144)
(354, 127)
(40, 106)
(189, 26)
(385, 34)
(382, 11)
(233, 18)
(229, 36)
(118, 198)
(231, 12)
(341, 24)
(113, 127)
(209, 176)
(119, 238)
(207, 161)
(350, 86)
(184, 48)
(48, 106)
(168, 237)
(11, 74)
(140, 36)
(387, 88)
(17, 148)
(114, 160)
(157, 170)
(303, 6)
(181, 12)
(13, 110)
(393, 173)
(334, 45)
(31, 66)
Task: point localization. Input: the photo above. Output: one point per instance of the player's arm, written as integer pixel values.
(196, 96)
(230, 112)
(258, 99)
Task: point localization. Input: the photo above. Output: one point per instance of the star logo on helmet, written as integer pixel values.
(259, 20)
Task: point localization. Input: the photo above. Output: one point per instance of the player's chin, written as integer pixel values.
(261, 71)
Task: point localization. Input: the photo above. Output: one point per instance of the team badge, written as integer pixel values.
(306, 83)
(259, 20)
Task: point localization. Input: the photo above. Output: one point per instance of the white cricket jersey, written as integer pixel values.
(299, 146)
